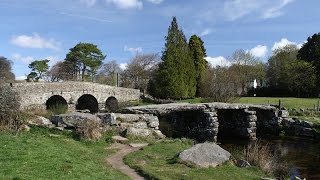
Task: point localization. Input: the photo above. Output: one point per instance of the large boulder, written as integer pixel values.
(73, 120)
(205, 155)
(40, 121)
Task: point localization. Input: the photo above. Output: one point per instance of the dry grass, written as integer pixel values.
(262, 156)
(89, 130)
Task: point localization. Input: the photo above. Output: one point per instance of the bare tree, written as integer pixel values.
(5, 70)
(108, 73)
(59, 72)
(139, 71)
(219, 84)
(244, 64)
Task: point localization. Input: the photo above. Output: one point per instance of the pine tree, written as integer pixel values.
(175, 77)
(198, 53)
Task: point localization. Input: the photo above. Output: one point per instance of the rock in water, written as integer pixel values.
(205, 155)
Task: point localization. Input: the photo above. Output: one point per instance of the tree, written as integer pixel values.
(108, 73)
(243, 65)
(310, 52)
(139, 71)
(5, 70)
(219, 84)
(198, 54)
(289, 76)
(302, 78)
(59, 72)
(175, 77)
(39, 67)
(279, 66)
(33, 76)
(84, 59)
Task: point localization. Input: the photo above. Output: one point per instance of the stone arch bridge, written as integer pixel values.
(77, 95)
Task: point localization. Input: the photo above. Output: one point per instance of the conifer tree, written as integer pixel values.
(175, 77)
(198, 53)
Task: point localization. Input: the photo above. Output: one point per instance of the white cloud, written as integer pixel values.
(21, 77)
(133, 50)
(259, 51)
(218, 61)
(283, 42)
(126, 4)
(35, 41)
(123, 66)
(155, 1)
(276, 10)
(25, 60)
(89, 3)
(205, 32)
(236, 9)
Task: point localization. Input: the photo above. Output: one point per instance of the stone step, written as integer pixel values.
(119, 139)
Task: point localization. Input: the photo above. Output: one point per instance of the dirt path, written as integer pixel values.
(116, 160)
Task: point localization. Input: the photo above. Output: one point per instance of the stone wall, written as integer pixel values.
(37, 93)
(208, 121)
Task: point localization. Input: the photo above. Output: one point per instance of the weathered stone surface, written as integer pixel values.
(107, 118)
(40, 121)
(132, 131)
(283, 113)
(307, 124)
(205, 155)
(138, 145)
(128, 117)
(140, 125)
(72, 120)
(158, 134)
(38, 93)
(152, 121)
(119, 139)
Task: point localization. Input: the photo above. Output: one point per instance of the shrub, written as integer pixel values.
(89, 130)
(9, 107)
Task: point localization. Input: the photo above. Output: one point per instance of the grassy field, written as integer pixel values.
(287, 102)
(41, 154)
(159, 161)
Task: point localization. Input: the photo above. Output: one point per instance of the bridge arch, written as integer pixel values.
(87, 101)
(112, 103)
(57, 104)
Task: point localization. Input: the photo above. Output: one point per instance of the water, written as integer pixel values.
(301, 154)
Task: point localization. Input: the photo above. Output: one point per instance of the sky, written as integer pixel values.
(41, 29)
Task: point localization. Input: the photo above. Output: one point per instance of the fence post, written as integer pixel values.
(280, 104)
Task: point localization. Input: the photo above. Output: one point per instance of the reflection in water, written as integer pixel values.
(301, 154)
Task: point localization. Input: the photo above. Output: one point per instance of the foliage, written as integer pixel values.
(219, 84)
(84, 60)
(175, 77)
(197, 51)
(9, 107)
(139, 71)
(38, 68)
(5, 70)
(310, 52)
(52, 154)
(160, 161)
(33, 76)
(287, 73)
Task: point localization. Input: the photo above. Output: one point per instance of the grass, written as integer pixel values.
(49, 154)
(160, 161)
(288, 102)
